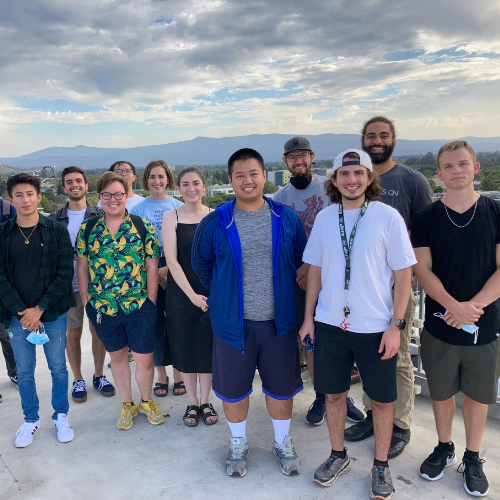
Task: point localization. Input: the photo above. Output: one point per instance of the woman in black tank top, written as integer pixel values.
(190, 339)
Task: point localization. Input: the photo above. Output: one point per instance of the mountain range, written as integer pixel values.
(209, 151)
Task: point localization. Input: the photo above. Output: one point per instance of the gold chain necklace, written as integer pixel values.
(27, 239)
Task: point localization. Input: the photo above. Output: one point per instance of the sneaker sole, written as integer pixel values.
(449, 463)
(66, 440)
(151, 422)
(349, 419)
(472, 493)
(315, 423)
(107, 394)
(379, 497)
(125, 428)
(79, 400)
(332, 481)
(237, 474)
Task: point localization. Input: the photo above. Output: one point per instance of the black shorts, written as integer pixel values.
(335, 352)
(277, 360)
(135, 330)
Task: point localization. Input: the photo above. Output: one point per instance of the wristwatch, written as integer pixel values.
(400, 323)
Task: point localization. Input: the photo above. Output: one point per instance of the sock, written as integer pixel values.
(369, 416)
(281, 430)
(238, 430)
(338, 454)
(144, 401)
(320, 395)
(380, 463)
(469, 454)
(447, 446)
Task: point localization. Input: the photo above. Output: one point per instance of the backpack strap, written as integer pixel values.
(5, 211)
(137, 221)
(141, 228)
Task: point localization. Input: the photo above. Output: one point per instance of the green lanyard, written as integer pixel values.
(347, 249)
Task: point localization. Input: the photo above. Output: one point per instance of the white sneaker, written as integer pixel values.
(65, 433)
(25, 433)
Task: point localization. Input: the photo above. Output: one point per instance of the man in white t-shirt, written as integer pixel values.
(358, 249)
(127, 170)
(74, 182)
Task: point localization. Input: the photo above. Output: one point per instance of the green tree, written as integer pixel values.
(47, 205)
(438, 189)
(270, 187)
(49, 194)
(60, 190)
(432, 184)
(93, 200)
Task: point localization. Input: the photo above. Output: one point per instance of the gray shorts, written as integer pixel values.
(449, 369)
(75, 314)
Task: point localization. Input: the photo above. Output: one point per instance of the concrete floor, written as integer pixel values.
(173, 461)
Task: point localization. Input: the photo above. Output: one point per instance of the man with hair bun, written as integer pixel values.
(358, 249)
(457, 244)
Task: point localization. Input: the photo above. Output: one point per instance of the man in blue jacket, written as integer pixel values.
(247, 253)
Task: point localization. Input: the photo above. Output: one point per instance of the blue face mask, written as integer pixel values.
(472, 329)
(38, 337)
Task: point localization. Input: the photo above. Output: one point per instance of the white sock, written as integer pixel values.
(281, 430)
(238, 430)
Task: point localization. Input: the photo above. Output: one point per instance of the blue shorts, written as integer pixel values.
(134, 330)
(277, 360)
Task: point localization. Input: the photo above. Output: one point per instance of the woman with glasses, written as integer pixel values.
(156, 179)
(188, 325)
(127, 170)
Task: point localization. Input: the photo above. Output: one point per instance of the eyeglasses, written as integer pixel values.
(119, 171)
(108, 196)
(294, 158)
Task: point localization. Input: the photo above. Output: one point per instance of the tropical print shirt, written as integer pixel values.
(117, 265)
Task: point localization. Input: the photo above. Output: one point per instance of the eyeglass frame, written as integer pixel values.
(111, 195)
(126, 171)
(294, 158)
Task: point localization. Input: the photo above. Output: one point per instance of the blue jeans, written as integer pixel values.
(55, 352)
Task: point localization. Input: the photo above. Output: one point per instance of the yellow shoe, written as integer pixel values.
(126, 420)
(151, 411)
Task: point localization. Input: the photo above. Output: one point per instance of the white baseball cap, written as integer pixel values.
(364, 159)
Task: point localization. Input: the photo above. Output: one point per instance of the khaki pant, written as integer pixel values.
(403, 406)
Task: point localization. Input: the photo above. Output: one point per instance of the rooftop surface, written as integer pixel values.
(172, 461)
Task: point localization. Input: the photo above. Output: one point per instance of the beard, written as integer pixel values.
(378, 158)
(77, 197)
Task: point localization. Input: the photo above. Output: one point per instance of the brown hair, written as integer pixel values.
(147, 173)
(73, 170)
(453, 146)
(108, 178)
(189, 170)
(372, 191)
(381, 119)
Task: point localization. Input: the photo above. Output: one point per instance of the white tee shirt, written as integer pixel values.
(381, 245)
(75, 219)
(132, 201)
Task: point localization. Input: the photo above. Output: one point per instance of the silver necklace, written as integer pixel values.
(460, 227)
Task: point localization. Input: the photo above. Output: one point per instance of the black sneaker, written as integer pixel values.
(476, 483)
(14, 378)
(316, 413)
(433, 466)
(360, 430)
(353, 414)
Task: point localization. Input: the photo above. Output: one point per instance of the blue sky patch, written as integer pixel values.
(60, 105)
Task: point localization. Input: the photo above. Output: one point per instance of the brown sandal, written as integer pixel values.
(188, 415)
(208, 414)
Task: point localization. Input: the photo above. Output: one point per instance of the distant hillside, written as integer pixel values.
(207, 151)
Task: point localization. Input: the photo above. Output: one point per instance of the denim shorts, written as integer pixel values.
(134, 330)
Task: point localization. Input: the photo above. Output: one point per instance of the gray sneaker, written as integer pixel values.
(382, 488)
(329, 471)
(289, 461)
(236, 461)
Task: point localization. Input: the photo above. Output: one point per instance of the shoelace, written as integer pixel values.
(237, 451)
(25, 429)
(62, 423)
(473, 467)
(103, 381)
(126, 411)
(381, 477)
(437, 454)
(350, 403)
(79, 386)
(287, 448)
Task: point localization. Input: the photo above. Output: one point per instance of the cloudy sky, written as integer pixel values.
(124, 73)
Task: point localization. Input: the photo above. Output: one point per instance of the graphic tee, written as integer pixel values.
(306, 202)
(381, 245)
(463, 259)
(406, 190)
(75, 219)
(153, 210)
(256, 237)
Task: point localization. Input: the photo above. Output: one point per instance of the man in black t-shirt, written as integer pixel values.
(457, 245)
(36, 269)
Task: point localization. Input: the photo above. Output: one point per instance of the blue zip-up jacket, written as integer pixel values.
(216, 259)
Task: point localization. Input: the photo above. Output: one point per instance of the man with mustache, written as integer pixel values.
(407, 191)
(306, 195)
(78, 209)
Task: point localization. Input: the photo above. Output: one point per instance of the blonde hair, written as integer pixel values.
(453, 146)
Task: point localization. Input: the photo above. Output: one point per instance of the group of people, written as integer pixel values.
(326, 262)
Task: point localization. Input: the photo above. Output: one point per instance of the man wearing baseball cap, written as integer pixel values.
(358, 249)
(306, 195)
